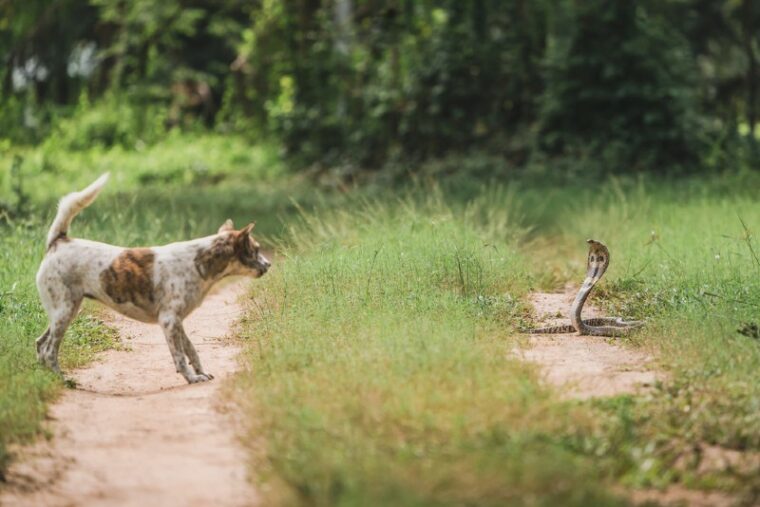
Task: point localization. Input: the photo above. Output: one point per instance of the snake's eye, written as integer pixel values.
(600, 259)
(591, 258)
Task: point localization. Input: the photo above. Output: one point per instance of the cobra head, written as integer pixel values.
(598, 259)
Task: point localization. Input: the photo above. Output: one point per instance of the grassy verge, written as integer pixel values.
(25, 387)
(179, 161)
(380, 344)
(382, 373)
(686, 258)
(380, 350)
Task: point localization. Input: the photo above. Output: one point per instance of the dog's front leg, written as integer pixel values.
(172, 326)
(192, 354)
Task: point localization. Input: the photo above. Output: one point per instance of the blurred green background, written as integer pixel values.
(353, 88)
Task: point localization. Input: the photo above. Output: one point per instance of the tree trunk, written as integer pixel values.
(343, 19)
(752, 81)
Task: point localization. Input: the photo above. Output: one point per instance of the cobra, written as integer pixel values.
(596, 265)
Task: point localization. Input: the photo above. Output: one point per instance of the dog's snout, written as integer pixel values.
(264, 263)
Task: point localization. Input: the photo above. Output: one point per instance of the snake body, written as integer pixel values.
(596, 265)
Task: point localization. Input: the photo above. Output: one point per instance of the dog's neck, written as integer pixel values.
(216, 258)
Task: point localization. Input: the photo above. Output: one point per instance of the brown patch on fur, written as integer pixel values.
(243, 245)
(61, 238)
(129, 278)
(212, 261)
(246, 248)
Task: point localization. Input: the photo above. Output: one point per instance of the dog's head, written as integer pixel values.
(247, 251)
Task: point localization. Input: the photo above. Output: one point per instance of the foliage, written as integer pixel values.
(350, 85)
(631, 79)
(112, 121)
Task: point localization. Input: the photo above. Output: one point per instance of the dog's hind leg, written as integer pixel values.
(192, 355)
(40, 342)
(49, 343)
(173, 331)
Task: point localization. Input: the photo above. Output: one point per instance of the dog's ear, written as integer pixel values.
(245, 231)
(226, 226)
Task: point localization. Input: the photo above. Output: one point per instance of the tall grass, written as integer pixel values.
(179, 162)
(381, 370)
(685, 257)
(380, 344)
(380, 348)
(25, 387)
(154, 197)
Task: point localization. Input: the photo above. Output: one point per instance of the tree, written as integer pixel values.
(620, 86)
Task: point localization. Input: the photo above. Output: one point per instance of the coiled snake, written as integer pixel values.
(598, 261)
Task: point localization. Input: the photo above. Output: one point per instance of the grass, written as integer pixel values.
(380, 348)
(380, 344)
(155, 196)
(689, 264)
(180, 161)
(25, 387)
(381, 370)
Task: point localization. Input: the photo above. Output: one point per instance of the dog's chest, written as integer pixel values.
(178, 284)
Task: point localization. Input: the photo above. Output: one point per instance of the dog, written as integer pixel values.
(161, 284)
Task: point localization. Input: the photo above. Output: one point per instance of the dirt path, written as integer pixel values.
(589, 366)
(135, 434)
(583, 366)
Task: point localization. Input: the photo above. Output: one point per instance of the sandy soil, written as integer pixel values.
(678, 496)
(588, 366)
(583, 366)
(134, 433)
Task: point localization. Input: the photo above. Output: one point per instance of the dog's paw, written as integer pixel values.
(203, 377)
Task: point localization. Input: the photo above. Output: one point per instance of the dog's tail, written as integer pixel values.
(71, 205)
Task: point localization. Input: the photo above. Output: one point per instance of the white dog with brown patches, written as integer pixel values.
(160, 284)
